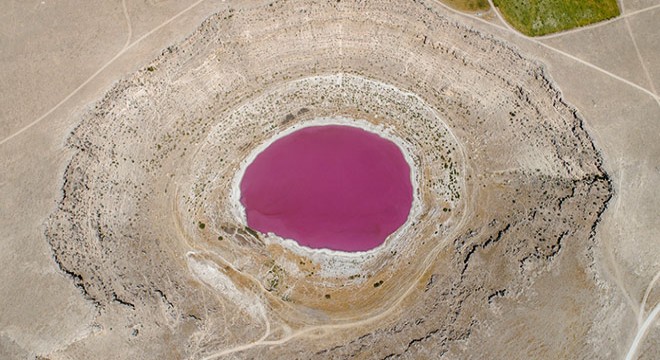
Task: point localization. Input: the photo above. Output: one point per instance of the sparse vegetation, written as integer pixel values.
(272, 283)
(201, 225)
(540, 17)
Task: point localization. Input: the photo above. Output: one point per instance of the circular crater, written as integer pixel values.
(150, 226)
(330, 187)
(431, 151)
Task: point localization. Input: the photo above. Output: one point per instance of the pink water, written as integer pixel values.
(334, 187)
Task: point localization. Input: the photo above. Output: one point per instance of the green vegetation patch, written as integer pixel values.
(540, 17)
(468, 5)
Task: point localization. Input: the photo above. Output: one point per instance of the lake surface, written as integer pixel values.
(335, 187)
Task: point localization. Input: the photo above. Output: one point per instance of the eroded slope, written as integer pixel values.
(509, 189)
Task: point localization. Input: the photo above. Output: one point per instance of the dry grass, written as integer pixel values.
(540, 17)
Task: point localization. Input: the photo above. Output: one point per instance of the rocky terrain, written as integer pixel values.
(496, 258)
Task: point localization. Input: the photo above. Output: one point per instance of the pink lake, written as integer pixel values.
(333, 187)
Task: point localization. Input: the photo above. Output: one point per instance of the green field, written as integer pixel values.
(540, 17)
(468, 5)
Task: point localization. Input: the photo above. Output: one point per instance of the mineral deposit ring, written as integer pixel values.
(430, 149)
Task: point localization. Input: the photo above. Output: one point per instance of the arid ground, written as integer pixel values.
(125, 126)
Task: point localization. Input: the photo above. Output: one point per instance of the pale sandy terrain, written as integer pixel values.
(123, 125)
